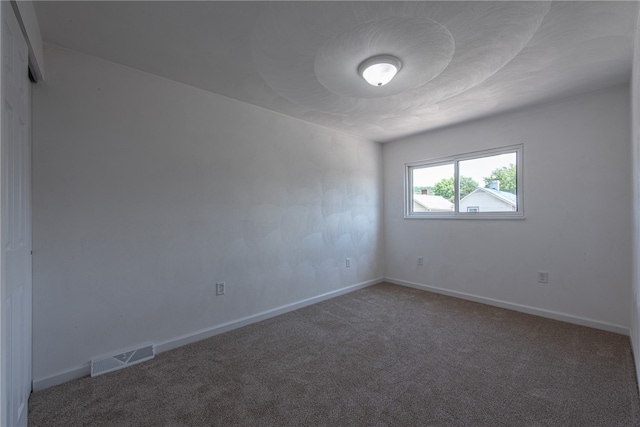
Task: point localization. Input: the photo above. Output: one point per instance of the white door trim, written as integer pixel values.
(15, 221)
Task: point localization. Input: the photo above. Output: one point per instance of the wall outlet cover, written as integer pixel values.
(220, 288)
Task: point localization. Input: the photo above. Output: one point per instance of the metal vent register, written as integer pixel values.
(122, 360)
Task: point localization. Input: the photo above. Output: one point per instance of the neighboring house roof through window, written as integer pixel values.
(504, 196)
(433, 203)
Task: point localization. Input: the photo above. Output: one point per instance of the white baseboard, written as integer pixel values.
(577, 320)
(235, 324)
(85, 369)
(62, 377)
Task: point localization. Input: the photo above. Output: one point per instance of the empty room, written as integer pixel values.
(320, 213)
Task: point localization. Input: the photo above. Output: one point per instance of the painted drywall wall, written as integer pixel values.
(634, 329)
(147, 192)
(578, 204)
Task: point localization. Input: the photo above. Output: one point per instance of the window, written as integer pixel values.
(480, 185)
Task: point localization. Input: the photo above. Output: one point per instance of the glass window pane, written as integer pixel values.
(488, 184)
(433, 188)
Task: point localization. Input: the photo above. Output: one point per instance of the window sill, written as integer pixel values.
(470, 216)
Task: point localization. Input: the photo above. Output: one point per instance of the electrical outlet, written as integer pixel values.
(543, 277)
(220, 288)
(348, 262)
(420, 260)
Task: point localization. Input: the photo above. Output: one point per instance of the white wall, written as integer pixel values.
(578, 205)
(635, 144)
(147, 192)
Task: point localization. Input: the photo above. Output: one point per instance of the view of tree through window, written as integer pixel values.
(487, 183)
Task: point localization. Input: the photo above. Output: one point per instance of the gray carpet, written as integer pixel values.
(382, 356)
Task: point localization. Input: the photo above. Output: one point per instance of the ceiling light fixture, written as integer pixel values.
(379, 70)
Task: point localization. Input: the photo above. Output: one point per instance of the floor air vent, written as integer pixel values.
(122, 360)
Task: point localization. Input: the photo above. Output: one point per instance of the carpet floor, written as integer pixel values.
(381, 356)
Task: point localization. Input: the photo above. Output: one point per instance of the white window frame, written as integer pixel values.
(408, 182)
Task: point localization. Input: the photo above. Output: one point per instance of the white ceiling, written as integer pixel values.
(461, 60)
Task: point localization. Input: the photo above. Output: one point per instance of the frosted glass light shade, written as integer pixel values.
(379, 70)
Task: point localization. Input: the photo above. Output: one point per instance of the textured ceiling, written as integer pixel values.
(461, 60)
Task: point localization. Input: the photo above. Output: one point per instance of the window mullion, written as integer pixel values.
(456, 186)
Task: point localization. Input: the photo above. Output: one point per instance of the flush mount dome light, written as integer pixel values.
(379, 70)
